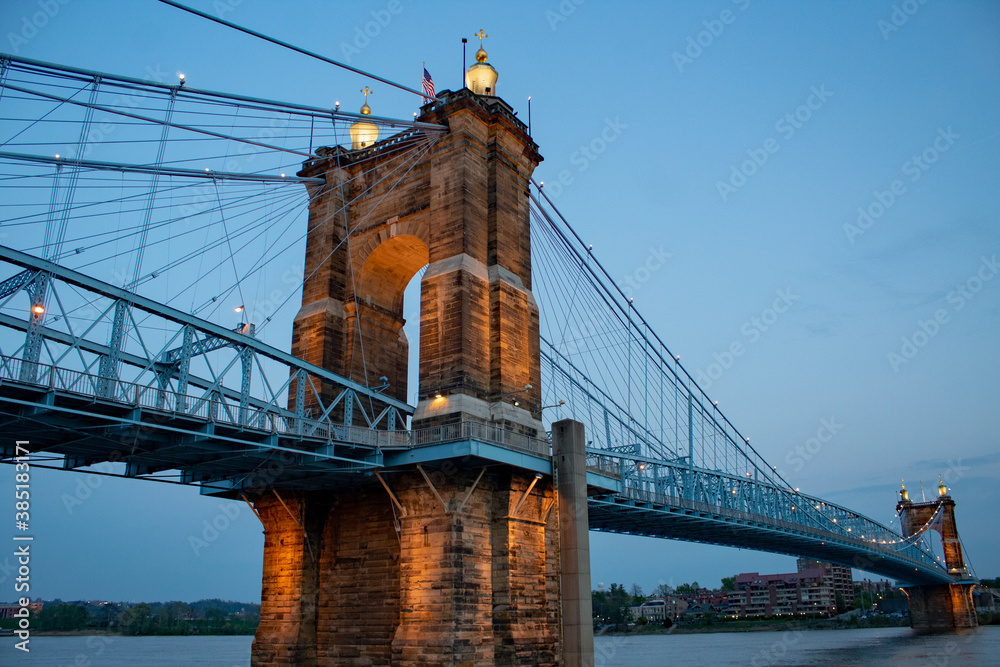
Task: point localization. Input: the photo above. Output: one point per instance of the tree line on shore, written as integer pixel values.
(204, 617)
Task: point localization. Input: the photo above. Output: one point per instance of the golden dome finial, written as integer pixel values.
(364, 133)
(481, 77)
(942, 487)
(481, 53)
(366, 110)
(904, 495)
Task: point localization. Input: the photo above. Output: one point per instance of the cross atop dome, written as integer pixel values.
(366, 110)
(364, 133)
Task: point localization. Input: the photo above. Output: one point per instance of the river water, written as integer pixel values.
(828, 648)
(843, 648)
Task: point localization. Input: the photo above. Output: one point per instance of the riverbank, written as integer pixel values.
(761, 625)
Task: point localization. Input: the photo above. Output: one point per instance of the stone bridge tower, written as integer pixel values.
(456, 553)
(462, 211)
(939, 607)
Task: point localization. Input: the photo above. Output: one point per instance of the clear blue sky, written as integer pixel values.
(841, 101)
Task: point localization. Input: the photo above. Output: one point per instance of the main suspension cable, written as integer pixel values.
(279, 42)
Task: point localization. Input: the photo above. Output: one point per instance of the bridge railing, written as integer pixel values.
(271, 419)
(268, 418)
(493, 433)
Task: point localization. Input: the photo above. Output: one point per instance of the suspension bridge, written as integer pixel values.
(154, 233)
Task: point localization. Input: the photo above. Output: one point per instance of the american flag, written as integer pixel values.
(428, 86)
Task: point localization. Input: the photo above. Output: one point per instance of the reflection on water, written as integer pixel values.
(114, 651)
(868, 648)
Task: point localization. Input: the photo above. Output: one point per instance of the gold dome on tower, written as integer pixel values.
(481, 78)
(364, 133)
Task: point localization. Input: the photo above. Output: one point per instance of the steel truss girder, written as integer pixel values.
(648, 480)
(69, 276)
(33, 335)
(197, 348)
(180, 431)
(16, 282)
(694, 522)
(104, 351)
(110, 362)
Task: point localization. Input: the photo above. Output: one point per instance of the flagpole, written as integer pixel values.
(464, 42)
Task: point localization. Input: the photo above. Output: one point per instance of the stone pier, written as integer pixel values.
(941, 608)
(465, 571)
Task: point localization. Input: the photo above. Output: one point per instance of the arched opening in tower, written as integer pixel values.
(380, 340)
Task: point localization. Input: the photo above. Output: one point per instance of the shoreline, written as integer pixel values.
(763, 626)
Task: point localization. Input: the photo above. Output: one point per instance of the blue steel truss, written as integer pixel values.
(209, 401)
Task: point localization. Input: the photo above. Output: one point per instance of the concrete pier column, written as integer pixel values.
(570, 462)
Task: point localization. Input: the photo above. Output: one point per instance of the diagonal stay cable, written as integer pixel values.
(229, 243)
(155, 121)
(415, 160)
(311, 54)
(262, 262)
(38, 120)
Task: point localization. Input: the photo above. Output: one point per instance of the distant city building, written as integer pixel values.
(703, 596)
(8, 610)
(869, 586)
(837, 576)
(657, 609)
(803, 592)
(697, 611)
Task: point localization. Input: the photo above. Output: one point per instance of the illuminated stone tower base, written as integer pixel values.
(940, 607)
(469, 576)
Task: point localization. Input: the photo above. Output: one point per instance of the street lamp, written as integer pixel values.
(506, 395)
